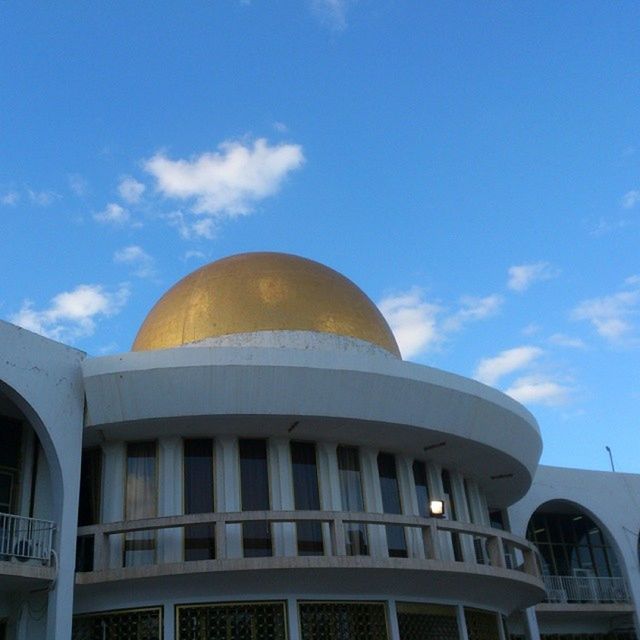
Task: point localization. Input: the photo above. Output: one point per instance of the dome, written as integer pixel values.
(254, 292)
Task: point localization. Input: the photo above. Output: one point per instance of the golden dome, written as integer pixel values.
(253, 292)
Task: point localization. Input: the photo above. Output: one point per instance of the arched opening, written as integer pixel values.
(27, 498)
(579, 560)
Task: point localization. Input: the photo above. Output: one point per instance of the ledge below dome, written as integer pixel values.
(302, 340)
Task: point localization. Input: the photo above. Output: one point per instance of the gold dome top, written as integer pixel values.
(253, 292)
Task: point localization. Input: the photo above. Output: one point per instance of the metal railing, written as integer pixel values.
(428, 538)
(25, 538)
(567, 589)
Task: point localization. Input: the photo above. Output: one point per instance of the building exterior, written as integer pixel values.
(263, 465)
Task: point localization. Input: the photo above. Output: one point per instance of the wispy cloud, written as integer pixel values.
(420, 325)
(332, 13)
(78, 185)
(563, 340)
(612, 315)
(135, 256)
(491, 370)
(522, 276)
(113, 214)
(228, 182)
(533, 385)
(130, 189)
(10, 198)
(538, 389)
(412, 320)
(72, 314)
(630, 199)
(42, 198)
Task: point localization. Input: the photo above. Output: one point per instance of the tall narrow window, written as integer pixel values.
(422, 488)
(199, 539)
(140, 502)
(254, 485)
(89, 504)
(10, 462)
(455, 537)
(306, 496)
(391, 504)
(351, 493)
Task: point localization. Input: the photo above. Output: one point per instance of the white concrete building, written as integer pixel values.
(264, 466)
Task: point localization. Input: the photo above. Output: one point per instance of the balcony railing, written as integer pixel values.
(25, 539)
(427, 538)
(561, 589)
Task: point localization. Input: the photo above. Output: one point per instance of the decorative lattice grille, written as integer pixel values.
(419, 621)
(133, 624)
(343, 621)
(481, 625)
(232, 621)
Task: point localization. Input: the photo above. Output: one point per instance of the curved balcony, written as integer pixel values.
(499, 569)
(25, 550)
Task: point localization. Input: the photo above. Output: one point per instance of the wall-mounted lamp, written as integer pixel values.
(436, 508)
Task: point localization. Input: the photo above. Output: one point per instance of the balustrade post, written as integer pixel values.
(431, 542)
(220, 530)
(100, 551)
(338, 543)
(496, 551)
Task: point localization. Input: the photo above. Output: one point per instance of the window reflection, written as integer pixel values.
(351, 494)
(306, 496)
(199, 539)
(391, 503)
(140, 502)
(254, 485)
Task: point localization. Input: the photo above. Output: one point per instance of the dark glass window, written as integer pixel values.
(306, 496)
(141, 495)
(89, 504)
(391, 503)
(455, 538)
(352, 500)
(10, 461)
(199, 539)
(571, 544)
(422, 488)
(254, 485)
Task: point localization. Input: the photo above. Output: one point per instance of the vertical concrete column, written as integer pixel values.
(281, 487)
(373, 500)
(409, 500)
(329, 486)
(436, 492)
(170, 490)
(113, 488)
(479, 512)
(228, 490)
(26, 473)
(392, 616)
(293, 619)
(463, 634)
(462, 509)
(531, 629)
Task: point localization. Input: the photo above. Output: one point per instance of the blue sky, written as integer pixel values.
(474, 167)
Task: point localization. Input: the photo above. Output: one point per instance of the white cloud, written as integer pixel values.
(10, 198)
(563, 340)
(531, 329)
(332, 13)
(137, 257)
(522, 276)
(538, 389)
(42, 198)
(630, 199)
(612, 315)
(227, 182)
(280, 127)
(490, 370)
(78, 184)
(473, 309)
(412, 320)
(72, 314)
(130, 190)
(194, 255)
(112, 214)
